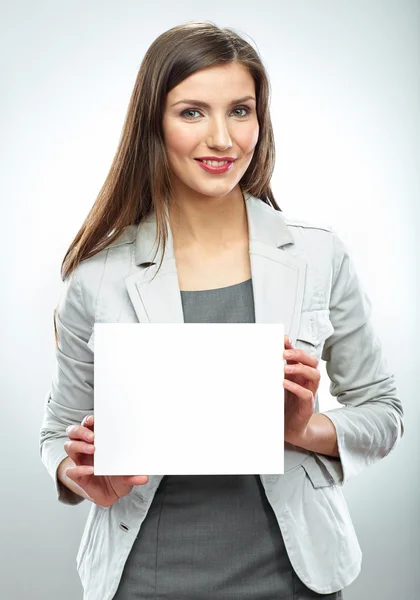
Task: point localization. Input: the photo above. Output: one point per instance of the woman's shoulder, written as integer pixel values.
(126, 236)
(294, 221)
(313, 237)
(112, 262)
(320, 243)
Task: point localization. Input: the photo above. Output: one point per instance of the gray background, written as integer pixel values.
(345, 107)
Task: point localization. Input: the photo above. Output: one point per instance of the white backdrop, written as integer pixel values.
(345, 107)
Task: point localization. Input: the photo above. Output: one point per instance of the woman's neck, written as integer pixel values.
(210, 223)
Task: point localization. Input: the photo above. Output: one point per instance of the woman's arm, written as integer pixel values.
(370, 424)
(70, 397)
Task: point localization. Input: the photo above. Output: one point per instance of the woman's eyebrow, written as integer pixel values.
(206, 105)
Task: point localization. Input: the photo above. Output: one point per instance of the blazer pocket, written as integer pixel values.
(317, 472)
(314, 328)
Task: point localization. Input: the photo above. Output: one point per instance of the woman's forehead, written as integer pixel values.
(224, 83)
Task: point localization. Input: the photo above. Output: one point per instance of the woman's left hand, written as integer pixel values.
(301, 381)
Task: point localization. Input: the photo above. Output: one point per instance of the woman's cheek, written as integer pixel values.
(182, 141)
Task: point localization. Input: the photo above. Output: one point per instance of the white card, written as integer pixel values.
(189, 398)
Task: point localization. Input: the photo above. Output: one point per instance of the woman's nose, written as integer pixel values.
(218, 135)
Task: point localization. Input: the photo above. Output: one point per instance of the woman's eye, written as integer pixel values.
(245, 108)
(189, 110)
(193, 110)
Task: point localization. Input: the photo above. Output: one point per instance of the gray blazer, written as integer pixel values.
(303, 276)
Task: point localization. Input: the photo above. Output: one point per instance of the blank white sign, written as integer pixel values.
(189, 398)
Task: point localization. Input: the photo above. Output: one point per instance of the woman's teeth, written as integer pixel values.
(214, 163)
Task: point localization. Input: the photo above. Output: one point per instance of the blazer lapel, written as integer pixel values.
(277, 276)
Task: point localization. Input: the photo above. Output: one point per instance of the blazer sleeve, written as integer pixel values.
(70, 397)
(370, 423)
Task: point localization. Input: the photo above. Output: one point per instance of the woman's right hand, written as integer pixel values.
(101, 489)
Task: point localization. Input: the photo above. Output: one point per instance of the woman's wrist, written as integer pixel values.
(66, 481)
(320, 436)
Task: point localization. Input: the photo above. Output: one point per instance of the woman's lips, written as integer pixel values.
(215, 170)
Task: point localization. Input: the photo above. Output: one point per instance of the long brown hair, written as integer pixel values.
(138, 182)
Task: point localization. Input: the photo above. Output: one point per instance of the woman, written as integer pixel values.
(225, 253)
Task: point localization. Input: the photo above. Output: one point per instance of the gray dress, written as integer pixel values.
(212, 537)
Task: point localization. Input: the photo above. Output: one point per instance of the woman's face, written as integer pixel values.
(222, 128)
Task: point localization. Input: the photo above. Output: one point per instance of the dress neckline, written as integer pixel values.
(216, 289)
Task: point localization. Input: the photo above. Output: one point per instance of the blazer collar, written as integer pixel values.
(278, 277)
